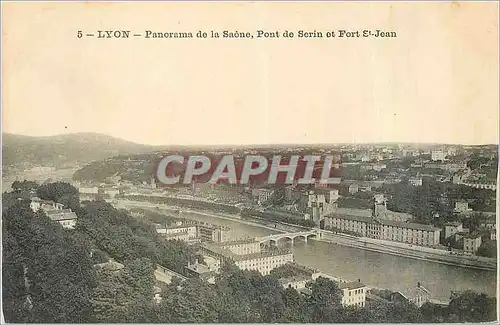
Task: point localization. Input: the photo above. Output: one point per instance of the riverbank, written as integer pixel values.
(404, 250)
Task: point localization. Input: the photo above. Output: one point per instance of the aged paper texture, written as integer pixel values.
(238, 162)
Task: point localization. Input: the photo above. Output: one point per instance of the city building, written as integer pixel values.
(317, 204)
(179, 232)
(406, 232)
(353, 294)
(213, 233)
(242, 246)
(353, 188)
(212, 263)
(265, 261)
(462, 206)
(65, 217)
(157, 295)
(262, 195)
(296, 282)
(438, 155)
(451, 228)
(41, 170)
(262, 261)
(200, 271)
(88, 193)
(489, 223)
(37, 204)
(418, 296)
(111, 192)
(55, 211)
(113, 179)
(364, 188)
(415, 181)
(472, 242)
(484, 186)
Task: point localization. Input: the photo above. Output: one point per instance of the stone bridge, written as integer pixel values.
(291, 236)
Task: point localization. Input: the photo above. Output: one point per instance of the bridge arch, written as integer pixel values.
(311, 236)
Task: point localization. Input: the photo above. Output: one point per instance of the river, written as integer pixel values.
(372, 268)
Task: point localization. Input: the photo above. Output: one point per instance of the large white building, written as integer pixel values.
(353, 294)
(411, 233)
(472, 243)
(247, 255)
(181, 232)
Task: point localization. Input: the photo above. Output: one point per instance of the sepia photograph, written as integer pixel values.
(250, 162)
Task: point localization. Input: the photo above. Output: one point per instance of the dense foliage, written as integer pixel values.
(47, 275)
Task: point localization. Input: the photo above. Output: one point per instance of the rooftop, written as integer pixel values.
(409, 225)
(217, 249)
(56, 211)
(412, 293)
(353, 212)
(352, 285)
(386, 222)
(261, 254)
(198, 268)
(238, 242)
(293, 279)
(63, 216)
(472, 236)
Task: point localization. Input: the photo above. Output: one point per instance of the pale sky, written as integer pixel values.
(436, 82)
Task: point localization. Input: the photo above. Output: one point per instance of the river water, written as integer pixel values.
(372, 268)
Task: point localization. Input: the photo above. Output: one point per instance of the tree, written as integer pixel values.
(126, 295)
(60, 192)
(56, 271)
(193, 302)
(25, 185)
(488, 248)
(324, 302)
(294, 311)
(285, 271)
(432, 313)
(473, 307)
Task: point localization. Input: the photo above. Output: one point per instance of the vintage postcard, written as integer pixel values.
(249, 162)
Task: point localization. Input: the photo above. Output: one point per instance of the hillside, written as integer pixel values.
(64, 149)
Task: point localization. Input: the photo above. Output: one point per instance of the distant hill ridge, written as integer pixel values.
(65, 148)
